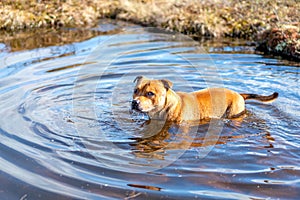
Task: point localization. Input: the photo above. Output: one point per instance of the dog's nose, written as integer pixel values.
(135, 104)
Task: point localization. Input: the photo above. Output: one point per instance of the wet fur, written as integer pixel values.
(180, 106)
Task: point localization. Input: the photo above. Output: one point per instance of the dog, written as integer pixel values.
(157, 99)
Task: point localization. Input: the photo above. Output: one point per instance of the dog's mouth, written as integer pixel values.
(137, 109)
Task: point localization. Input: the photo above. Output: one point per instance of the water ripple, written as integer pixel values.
(66, 130)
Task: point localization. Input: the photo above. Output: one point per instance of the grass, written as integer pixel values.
(198, 18)
(20, 14)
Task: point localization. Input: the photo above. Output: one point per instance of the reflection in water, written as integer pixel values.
(157, 137)
(39, 38)
(145, 187)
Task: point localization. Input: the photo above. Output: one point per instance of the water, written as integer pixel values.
(67, 131)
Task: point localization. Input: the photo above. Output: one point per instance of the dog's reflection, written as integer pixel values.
(157, 137)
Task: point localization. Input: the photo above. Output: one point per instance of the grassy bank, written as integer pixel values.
(197, 18)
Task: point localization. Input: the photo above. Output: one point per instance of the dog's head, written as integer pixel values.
(149, 96)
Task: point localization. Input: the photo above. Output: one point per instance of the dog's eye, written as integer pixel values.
(135, 91)
(150, 94)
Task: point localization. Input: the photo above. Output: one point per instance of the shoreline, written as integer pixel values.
(273, 26)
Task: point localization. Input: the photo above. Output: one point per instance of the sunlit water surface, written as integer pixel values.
(67, 132)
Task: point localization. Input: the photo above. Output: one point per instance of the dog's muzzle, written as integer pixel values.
(135, 105)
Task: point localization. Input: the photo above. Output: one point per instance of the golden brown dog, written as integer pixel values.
(159, 101)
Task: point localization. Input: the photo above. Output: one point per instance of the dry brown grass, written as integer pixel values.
(212, 17)
(20, 14)
(233, 18)
(197, 18)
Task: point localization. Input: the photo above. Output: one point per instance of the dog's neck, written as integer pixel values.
(173, 105)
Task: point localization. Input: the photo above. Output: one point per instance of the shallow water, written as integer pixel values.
(67, 131)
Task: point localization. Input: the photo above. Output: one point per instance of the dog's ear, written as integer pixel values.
(138, 79)
(168, 84)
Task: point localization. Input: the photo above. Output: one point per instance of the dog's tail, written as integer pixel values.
(262, 98)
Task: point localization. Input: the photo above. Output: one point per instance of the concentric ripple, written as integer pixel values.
(66, 131)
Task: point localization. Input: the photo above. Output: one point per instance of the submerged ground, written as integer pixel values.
(273, 25)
